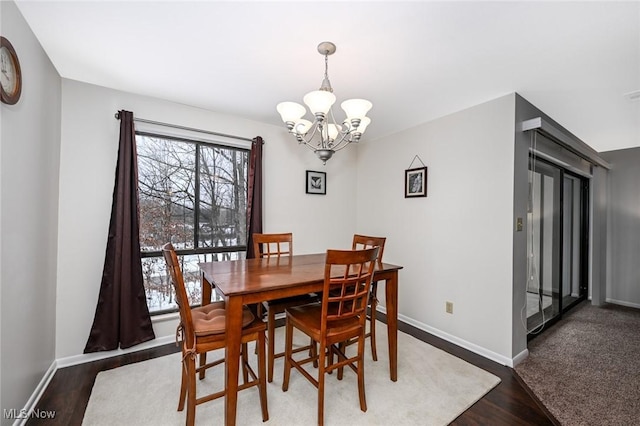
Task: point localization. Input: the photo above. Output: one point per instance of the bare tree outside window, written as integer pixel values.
(193, 194)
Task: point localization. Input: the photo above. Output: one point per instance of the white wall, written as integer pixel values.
(29, 155)
(87, 169)
(455, 244)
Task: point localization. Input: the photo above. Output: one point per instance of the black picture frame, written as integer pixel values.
(415, 182)
(316, 182)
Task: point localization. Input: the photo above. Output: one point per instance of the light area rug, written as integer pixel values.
(433, 388)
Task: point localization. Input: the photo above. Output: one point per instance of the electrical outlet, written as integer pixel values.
(449, 307)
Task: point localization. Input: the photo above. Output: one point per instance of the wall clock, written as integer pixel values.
(10, 73)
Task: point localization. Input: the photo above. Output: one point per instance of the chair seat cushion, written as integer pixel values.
(212, 318)
(310, 318)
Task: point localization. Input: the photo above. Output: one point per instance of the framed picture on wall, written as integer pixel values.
(316, 182)
(415, 182)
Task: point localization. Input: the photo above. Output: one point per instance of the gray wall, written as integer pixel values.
(456, 243)
(30, 159)
(599, 233)
(624, 220)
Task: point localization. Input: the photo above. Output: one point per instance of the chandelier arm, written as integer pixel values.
(310, 146)
(318, 129)
(307, 141)
(342, 133)
(314, 128)
(308, 137)
(342, 144)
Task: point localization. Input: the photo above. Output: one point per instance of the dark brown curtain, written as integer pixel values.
(122, 316)
(254, 196)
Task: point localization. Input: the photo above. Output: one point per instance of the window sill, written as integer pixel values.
(171, 316)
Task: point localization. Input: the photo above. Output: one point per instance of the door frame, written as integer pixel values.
(558, 261)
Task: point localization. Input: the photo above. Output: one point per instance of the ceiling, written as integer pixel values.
(416, 61)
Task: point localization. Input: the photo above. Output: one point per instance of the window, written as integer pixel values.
(193, 194)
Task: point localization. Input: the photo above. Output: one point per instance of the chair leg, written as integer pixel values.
(288, 347)
(313, 352)
(262, 387)
(245, 362)
(183, 387)
(372, 316)
(372, 325)
(271, 326)
(259, 314)
(360, 368)
(203, 361)
(342, 347)
(191, 390)
(322, 362)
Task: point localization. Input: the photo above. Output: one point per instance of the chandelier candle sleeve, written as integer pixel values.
(323, 134)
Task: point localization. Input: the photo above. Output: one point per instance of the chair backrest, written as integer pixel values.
(347, 279)
(177, 280)
(273, 245)
(365, 241)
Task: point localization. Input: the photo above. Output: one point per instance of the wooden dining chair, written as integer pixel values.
(202, 329)
(341, 316)
(362, 242)
(276, 246)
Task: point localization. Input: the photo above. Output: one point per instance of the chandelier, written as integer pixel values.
(324, 135)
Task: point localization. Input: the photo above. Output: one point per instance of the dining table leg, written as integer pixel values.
(391, 293)
(206, 291)
(232, 357)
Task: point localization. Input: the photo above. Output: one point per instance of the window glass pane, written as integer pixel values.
(160, 293)
(223, 197)
(166, 181)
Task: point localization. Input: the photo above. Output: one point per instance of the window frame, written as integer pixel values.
(198, 143)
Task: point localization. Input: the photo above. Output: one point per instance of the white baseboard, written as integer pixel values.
(493, 356)
(623, 303)
(36, 395)
(82, 358)
(520, 357)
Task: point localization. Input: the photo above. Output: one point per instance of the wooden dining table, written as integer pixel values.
(244, 282)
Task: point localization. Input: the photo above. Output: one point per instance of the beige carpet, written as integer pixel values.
(433, 388)
(585, 368)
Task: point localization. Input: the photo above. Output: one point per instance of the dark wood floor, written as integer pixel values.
(510, 403)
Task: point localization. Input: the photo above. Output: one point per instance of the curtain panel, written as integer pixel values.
(254, 196)
(122, 316)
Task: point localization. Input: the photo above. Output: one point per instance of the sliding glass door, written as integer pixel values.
(556, 242)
